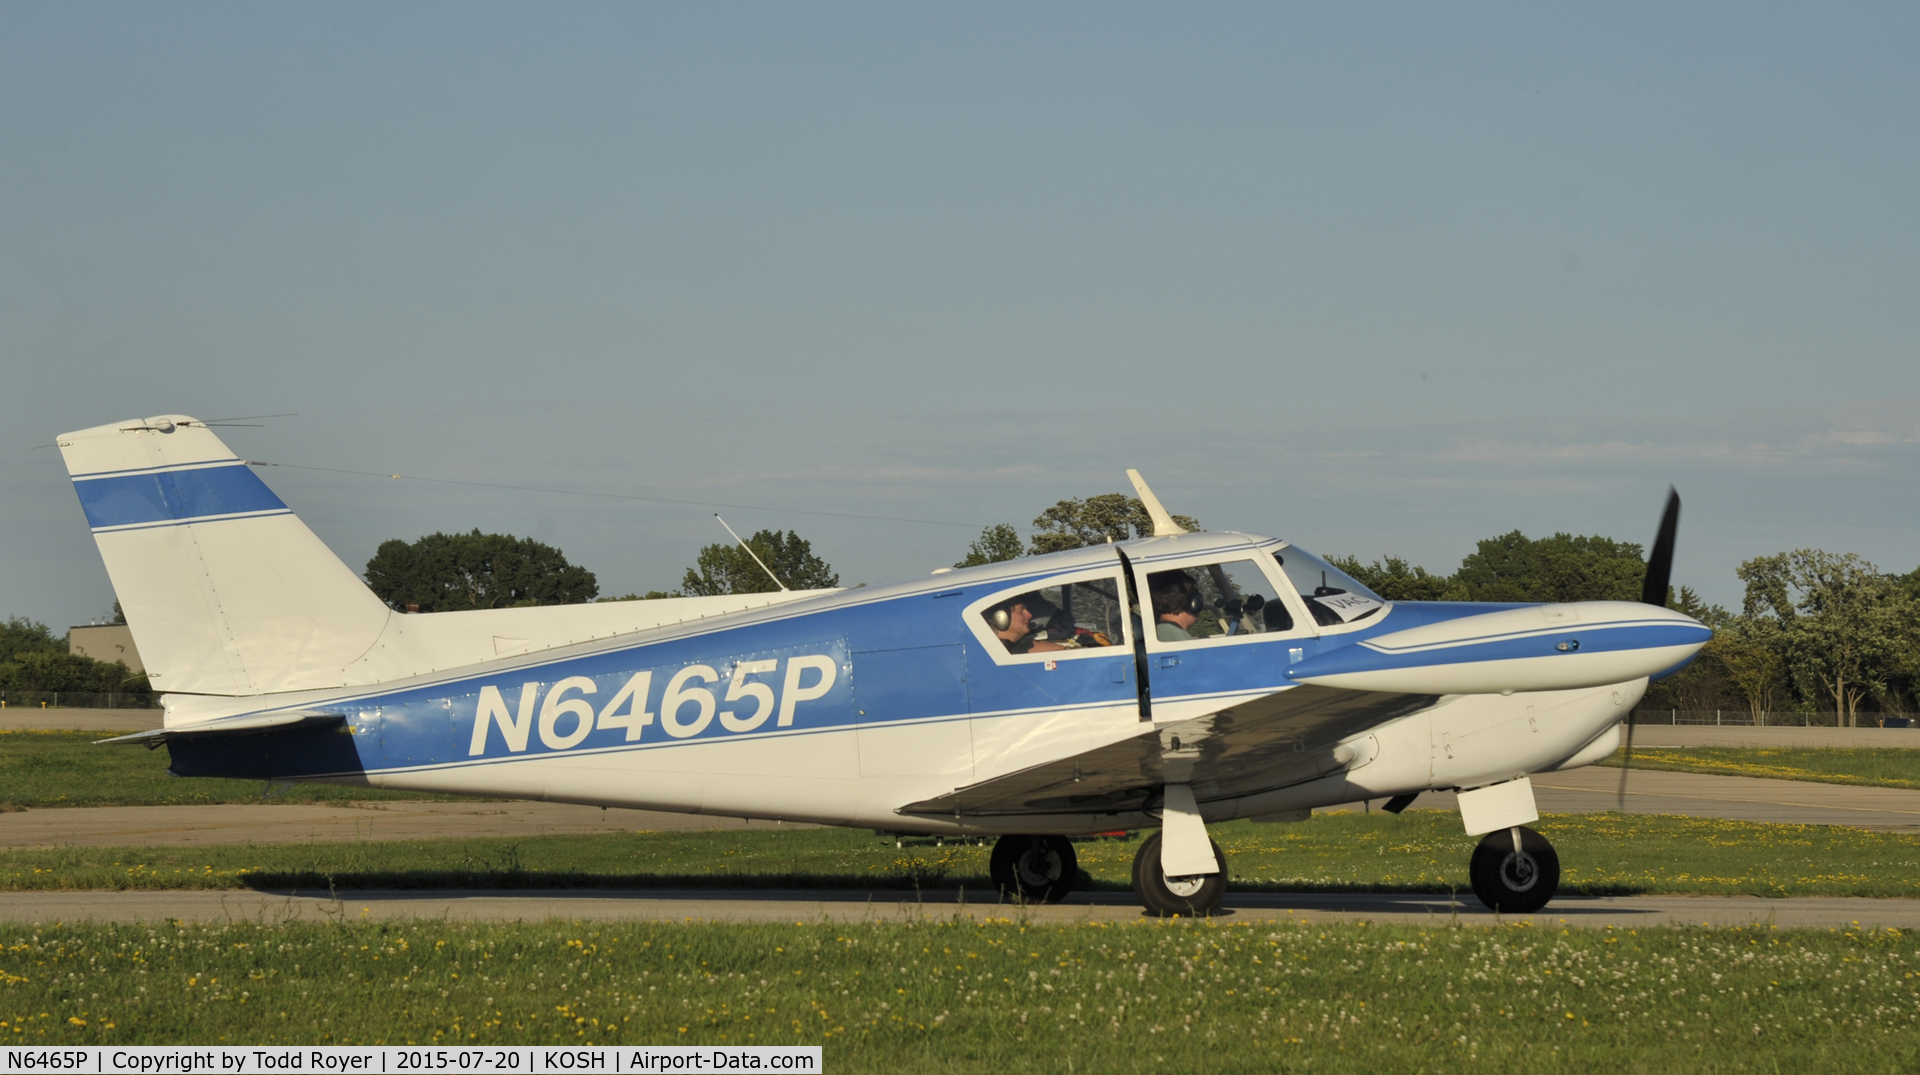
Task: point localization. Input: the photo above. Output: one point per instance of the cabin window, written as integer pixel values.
(1061, 619)
(1333, 596)
(1210, 602)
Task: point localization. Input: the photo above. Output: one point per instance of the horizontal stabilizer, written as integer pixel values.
(249, 725)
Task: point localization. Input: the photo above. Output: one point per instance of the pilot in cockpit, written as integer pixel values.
(1176, 605)
(1012, 623)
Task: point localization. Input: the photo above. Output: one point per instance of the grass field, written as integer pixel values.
(1419, 851)
(961, 996)
(43, 769)
(1886, 767)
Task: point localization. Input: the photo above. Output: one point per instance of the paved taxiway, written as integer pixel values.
(256, 823)
(1581, 791)
(1631, 912)
(1578, 792)
(1736, 798)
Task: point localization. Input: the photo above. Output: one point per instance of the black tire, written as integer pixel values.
(1033, 869)
(1510, 883)
(1195, 897)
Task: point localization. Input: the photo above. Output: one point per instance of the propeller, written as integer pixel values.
(1654, 592)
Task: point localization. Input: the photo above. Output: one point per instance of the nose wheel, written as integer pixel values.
(1033, 869)
(1165, 896)
(1514, 871)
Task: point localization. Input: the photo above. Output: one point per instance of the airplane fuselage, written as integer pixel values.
(843, 708)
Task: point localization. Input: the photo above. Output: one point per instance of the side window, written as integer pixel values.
(1060, 618)
(1211, 602)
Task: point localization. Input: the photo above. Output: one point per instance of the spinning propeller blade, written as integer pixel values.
(1660, 560)
(1654, 592)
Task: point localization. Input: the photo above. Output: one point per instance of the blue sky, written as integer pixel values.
(1378, 279)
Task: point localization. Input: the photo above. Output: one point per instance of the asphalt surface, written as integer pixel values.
(852, 906)
(1707, 735)
(109, 721)
(1738, 798)
(267, 823)
(1578, 792)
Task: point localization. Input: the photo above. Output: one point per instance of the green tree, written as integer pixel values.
(995, 544)
(1750, 650)
(20, 635)
(1842, 624)
(1395, 579)
(725, 569)
(1514, 567)
(455, 572)
(48, 670)
(1076, 523)
(33, 658)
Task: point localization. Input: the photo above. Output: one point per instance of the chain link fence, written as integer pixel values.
(78, 700)
(1747, 718)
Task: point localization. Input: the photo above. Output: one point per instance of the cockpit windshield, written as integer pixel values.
(1333, 596)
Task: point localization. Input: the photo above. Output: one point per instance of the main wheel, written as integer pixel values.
(1034, 869)
(1514, 881)
(1165, 896)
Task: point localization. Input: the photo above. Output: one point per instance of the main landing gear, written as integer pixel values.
(1164, 896)
(1514, 871)
(1033, 869)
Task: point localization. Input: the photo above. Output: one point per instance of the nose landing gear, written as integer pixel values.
(1035, 869)
(1165, 896)
(1514, 871)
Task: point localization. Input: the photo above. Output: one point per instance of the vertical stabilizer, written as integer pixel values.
(225, 589)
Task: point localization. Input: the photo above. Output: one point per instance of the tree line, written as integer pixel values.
(1816, 631)
(33, 658)
(461, 572)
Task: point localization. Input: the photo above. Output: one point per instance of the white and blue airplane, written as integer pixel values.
(1170, 682)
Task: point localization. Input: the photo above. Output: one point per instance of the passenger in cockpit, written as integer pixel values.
(1176, 605)
(1012, 623)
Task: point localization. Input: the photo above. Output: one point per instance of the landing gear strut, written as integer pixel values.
(1033, 869)
(1514, 871)
(1167, 896)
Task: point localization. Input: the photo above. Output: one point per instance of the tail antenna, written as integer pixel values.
(755, 555)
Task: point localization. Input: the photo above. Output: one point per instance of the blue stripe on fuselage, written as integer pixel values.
(429, 724)
(1591, 638)
(174, 496)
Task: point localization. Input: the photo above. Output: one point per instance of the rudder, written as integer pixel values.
(226, 591)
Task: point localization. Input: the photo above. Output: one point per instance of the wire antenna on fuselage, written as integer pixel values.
(755, 555)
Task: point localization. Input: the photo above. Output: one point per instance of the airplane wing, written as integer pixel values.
(1274, 741)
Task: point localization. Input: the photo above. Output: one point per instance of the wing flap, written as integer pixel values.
(1274, 741)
